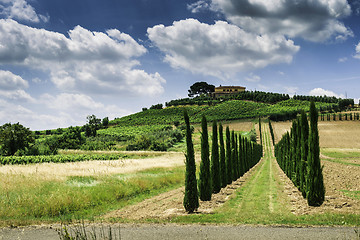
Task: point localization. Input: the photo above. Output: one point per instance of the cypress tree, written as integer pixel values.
(233, 156)
(191, 199)
(241, 157)
(304, 151)
(222, 157)
(205, 188)
(228, 157)
(215, 165)
(315, 183)
(260, 131)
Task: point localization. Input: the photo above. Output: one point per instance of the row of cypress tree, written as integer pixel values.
(227, 163)
(298, 154)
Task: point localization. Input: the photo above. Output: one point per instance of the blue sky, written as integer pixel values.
(62, 60)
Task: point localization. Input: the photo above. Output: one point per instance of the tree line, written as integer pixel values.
(298, 154)
(229, 160)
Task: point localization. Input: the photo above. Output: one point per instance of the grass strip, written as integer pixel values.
(29, 200)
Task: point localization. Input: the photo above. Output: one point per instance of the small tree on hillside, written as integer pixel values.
(199, 88)
(315, 183)
(215, 165)
(205, 188)
(14, 138)
(191, 199)
(222, 157)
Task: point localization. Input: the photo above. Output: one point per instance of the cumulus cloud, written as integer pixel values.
(20, 10)
(316, 21)
(198, 6)
(357, 49)
(323, 92)
(12, 87)
(219, 49)
(85, 61)
(253, 78)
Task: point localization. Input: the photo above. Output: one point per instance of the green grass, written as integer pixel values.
(336, 153)
(28, 199)
(352, 194)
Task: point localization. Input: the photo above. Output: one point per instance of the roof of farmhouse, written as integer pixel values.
(229, 87)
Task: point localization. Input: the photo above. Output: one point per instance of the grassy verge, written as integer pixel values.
(30, 200)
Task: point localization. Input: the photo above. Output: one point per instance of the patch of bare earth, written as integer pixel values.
(170, 204)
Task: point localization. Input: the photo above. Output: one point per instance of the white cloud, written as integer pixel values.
(10, 81)
(343, 59)
(219, 50)
(198, 6)
(291, 90)
(357, 49)
(85, 61)
(12, 87)
(20, 10)
(253, 78)
(316, 20)
(323, 92)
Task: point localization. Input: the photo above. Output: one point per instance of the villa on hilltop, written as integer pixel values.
(226, 90)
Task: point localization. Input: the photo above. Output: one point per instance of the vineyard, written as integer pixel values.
(59, 158)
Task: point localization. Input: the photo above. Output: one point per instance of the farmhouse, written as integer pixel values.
(225, 90)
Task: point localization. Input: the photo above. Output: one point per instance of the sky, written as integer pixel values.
(63, 60)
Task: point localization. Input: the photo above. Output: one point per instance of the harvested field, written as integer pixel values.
(59, 171)
(338, 134)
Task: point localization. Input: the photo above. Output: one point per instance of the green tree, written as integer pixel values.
(205, 188)
(315, 183)
(92, 126)
(14, 138)
(229, 167)
(215, 164)
(199, 88)
(191, 198)
(105, 122)
(233, 156)
(304, 151)
(222, 157)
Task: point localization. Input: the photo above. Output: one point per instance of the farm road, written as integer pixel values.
(190, 232)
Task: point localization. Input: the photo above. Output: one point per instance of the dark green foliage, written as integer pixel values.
(260, 131)
(105, 122)
(15, 139)
(272, 133)
(222, 157)
(159, 140)
(233, 157)
(157, 106)
(215, 163)
(191, 199)
(298, 155)
(241, 157)
(315, 184)
(229, 167)
(304, 151)
(205, 187)
(199, 88)
(92, 126)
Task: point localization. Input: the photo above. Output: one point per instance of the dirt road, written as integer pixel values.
(189, 232)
